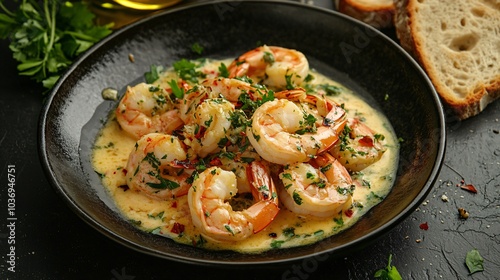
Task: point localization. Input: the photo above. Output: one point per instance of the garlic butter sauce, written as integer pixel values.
(172, 218)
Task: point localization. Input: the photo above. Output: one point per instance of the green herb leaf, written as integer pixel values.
(388, 273)
(187, 70)
(224, 72)
(178, 92)
(153, 74)
(330, 90)
(47, 36)
(474, 261)
(197, 48)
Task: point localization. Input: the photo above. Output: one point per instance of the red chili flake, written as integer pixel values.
(469, 188)
(184, 85)
(124, 171)
(216, 162)
(201, 132)
(177, 228)
(349, 212)
(424, 226)
(366, 141)
(174, 204)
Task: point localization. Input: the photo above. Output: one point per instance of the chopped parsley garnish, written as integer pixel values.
(277, 243)
(154, 74)
(176, 90)
(268, 58)
(223, 72)
(289, 232)
(309, 125)
(287, 176)
(330, 90)
(197, 48)
(296, 198)
(187, 70)
(289, 82)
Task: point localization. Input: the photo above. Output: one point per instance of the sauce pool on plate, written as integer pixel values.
(248, 155)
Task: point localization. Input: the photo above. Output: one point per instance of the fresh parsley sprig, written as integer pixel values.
(47, 36)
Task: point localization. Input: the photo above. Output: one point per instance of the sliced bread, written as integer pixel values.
(377, 13)
(457, 42)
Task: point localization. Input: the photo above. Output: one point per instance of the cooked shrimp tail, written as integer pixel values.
(264, 192)
(214, 216)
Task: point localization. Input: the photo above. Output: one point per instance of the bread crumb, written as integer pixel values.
(444, 198)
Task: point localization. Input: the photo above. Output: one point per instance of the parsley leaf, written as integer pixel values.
(474, 261)
(187, 70)
(197, 48)
(153, 74)
(176, 90)
(224, 72)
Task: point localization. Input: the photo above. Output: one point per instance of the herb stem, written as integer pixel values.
(81, 36)
(50, 15)
(456, 172)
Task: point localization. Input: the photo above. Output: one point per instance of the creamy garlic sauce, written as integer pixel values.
(172, 218)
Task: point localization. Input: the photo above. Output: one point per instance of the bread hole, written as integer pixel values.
(420, 1)
(462, 22)
(444, 26)
(478, 12)
(464, 43)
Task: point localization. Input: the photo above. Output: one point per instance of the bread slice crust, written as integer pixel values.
(457, 42)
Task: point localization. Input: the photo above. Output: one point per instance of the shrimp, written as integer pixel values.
(191, 100)
(272, 66)
(209, 126)
(145, 109)
(232, 89)
(152, 169)
(214, 216)
(237, 162)
(359, 146)
(321, 188)
(285, 132)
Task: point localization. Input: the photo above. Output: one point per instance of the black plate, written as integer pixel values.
(346, 50)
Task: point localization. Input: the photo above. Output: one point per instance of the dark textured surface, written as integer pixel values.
(52, 243)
